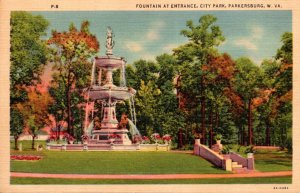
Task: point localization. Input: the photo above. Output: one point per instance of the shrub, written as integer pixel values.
(218, 137)
(226, 149)
(289, 145)
(249, 149)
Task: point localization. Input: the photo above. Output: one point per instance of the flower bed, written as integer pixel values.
(25, 157)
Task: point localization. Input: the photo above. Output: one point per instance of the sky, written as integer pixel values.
(147, 34)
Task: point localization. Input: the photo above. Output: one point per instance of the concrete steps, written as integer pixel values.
(236, 165)
(238, 169)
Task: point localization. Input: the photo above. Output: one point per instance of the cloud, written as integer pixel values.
(143, 44)
(133, 46)
(155, 30)
(257, 32)
(152, 35)
(250, 42)
(246, 43)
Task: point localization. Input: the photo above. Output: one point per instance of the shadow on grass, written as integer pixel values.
(276, 162)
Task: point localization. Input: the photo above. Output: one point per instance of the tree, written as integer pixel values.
(266, 110)
(169, 117)
(283, 82)
(16, 125)
(284, 89)
(28, 52)
(72, 52)
(285, 52)
(220, 71)
(35, 111)
(28, 56)
(144, 70)
(203, 39)
(146, 105)
(247, 85)
(58, 109)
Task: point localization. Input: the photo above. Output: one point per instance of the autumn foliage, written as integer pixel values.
(70, 40)
(223, 67)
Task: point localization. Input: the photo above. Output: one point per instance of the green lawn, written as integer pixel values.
(273, 180)
(117, 163)
(270, 161)
(112, 162)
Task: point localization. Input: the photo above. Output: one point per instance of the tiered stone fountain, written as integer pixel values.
(108, 94)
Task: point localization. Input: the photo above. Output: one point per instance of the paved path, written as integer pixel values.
(150, 176)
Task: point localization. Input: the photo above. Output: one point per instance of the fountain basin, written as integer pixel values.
(115, 93)
(109, 61)
(108, 147)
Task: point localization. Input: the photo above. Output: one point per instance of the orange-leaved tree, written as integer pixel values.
(71, 53)
(35, 111)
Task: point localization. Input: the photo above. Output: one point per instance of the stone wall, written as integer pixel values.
(245, 162)
(223, 161)
(209, 155)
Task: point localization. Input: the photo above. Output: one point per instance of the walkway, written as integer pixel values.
(150, 176)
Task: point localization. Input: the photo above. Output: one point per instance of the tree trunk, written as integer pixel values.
(203, 120)
(69, 111)
(33, 141)
(180, 139)
(250, 135)
(242, 135)
(267, 132)
(58, 129)
(217, 120)
(211, 129)
(69, 129)
(16, 143)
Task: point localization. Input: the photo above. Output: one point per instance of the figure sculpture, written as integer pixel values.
(123, 121)
(109, 41)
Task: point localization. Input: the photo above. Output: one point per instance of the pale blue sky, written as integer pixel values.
(147, 34)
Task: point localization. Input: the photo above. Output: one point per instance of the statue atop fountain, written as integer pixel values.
(109, 41)
(107, 95)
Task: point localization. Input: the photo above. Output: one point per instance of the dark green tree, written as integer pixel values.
(16, 125)
(266, 111)
(28, 52)
(28, 56)
(169, 117)
(146, 105)
(284, 90)
(247, 84)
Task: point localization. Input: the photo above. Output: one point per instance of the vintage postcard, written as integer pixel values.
(149, 96)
